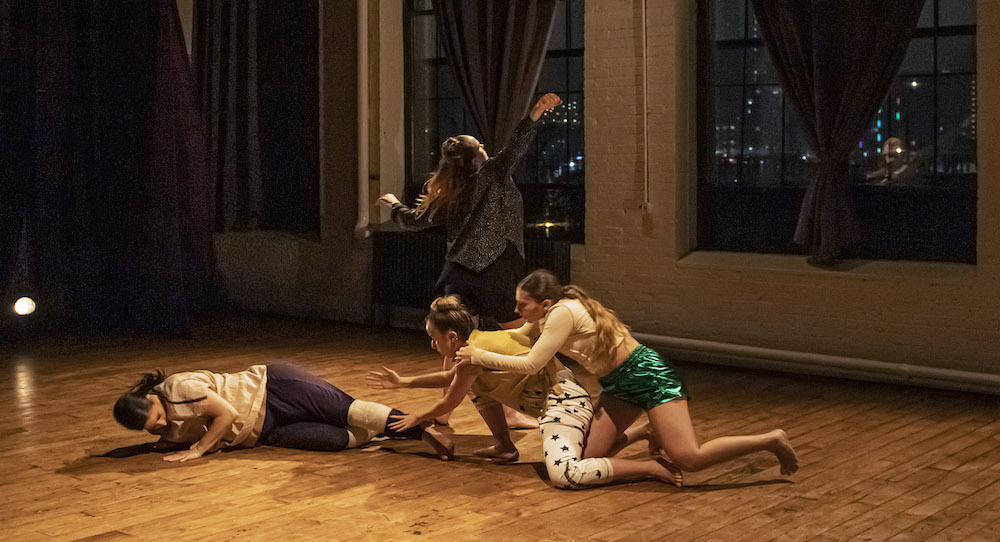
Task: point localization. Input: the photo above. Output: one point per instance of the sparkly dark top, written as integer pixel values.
(489, 215)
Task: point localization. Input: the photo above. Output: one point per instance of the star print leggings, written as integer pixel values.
(564, 425)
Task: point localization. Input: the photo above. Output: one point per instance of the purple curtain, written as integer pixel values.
(836, 60)
(117, 211)
(225, 61)
(495, 49)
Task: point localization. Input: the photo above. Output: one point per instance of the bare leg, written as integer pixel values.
(607, 432)
(503, 448)
(671, 422)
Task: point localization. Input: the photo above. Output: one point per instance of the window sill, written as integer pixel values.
(848, 269)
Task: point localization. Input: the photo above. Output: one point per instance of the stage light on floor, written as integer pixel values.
(24, 306)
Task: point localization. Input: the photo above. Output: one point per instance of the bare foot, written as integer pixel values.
(442, 421)
(443, 446)
(519, 420)
(786, 454)
(669, 472)
(499, 455)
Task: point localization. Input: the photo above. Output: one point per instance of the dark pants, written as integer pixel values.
(308, 413)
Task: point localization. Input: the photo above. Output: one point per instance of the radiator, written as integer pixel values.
(406, 265)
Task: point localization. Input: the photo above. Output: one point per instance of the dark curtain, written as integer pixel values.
(495, 49)
(836, 60)
(225, 61)
(108, 182)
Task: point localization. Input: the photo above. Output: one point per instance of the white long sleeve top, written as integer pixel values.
(567, 329)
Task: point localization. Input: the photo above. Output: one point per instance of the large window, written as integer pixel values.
(914, 171)
(551, 177)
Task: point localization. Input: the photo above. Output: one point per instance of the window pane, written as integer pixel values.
(956, 125)
(424, 144)
(754, 31)
(919, 57)
(727, 66)
(957, 54)
(762, 136)
(898, 148)
(424, 37)
(956, 12)
(553, 77)
(552, 150)
(574, 137)
(447, 87)
(576, 24)
(760, 70)
(800, 160)
(912, 131)
(575, 65)
(728, 18)
(450, 118)
(927, 15)
(726, 137)
(866, 158)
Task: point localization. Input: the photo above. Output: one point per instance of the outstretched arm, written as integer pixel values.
(460, 386)
(387, 379)
(506, 159)
(404, 216)
(558, 327)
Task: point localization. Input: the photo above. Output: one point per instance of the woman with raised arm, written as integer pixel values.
(278, 404)
(635, 379)
(551, 393)
(475, 198)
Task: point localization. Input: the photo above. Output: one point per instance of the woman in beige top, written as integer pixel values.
(551, 393)
(279, 404)
(634, 378)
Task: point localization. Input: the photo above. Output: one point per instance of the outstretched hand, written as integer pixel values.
(389, 199)
(545, 104)
(186, 455)
(404, 422)
(386, 379)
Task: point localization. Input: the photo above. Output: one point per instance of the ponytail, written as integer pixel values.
(609, 327)
(542, 284)
(148, 382)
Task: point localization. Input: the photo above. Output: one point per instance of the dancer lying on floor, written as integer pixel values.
(634, 378)
(278, 404)
(551, 393)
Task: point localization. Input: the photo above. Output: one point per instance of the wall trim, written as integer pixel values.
(821, 364)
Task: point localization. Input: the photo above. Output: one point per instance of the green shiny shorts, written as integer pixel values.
(644, 378)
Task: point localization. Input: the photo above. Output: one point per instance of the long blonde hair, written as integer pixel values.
(447, 183)
(542, 284)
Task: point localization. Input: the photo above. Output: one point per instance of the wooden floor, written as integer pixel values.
(878, 462)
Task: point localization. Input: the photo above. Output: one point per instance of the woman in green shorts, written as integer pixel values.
(635, 379)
